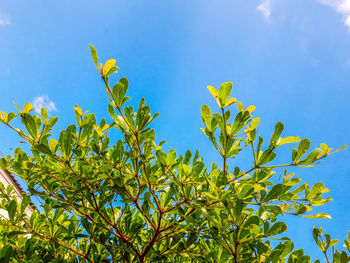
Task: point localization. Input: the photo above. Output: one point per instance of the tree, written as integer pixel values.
(130, 201)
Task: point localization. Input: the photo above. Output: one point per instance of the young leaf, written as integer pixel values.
(108, 66)
(206, 116)
(230, 102)
(215, 94)
(319, 215)
(276, 135)
(94, 56)
(224, 93)
(287, 140)
(255, 123)
(250, 109)
(27, 107)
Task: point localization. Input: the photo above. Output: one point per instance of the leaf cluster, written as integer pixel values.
(127, 200)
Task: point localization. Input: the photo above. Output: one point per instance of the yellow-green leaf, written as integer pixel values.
(94, 55)
(250, 109)
(3, 116)
(78, 110)
(341, 148)
(240, 106)
(206, 116)
(213, 92)
(288, 139)
(319, 215)
(254, 123)
(98, 130)
(224, 93)
(109, 64)
(230, 102)
(105, 127)
(27, 107)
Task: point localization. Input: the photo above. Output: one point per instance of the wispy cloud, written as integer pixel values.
(265, 9)
(342, 7)
(43, 101)
(4, 20)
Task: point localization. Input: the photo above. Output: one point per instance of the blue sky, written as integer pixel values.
(291, 59)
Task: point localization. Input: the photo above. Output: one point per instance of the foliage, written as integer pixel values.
(130, 201)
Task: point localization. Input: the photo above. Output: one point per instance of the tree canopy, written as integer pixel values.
(107, 199)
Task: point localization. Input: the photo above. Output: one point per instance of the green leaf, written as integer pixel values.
(16, 234)
(275, 209)
(311, 158)
(276, 229)
(10, 117)
(9, 189)
(125, 82)
(30, 124)
(43, 148)
(171, 157)
(316, 189)
(276, 135)
(266, 157)
(53, 145)
(293, 181)
(11, 209)
(304, 145)
(6, 253)
(3, 163)
(239, 205)
(44, 114)
(206, 116)
(94, 56)
(119, 91)
(245, 191)
(111, 111)
(66, 140)
(117, 88)
(52, 121)
(224, 93)
(315, 202)
(258, 148)
(88, 120)
(276, 191)
(168, 196)
(24, 204)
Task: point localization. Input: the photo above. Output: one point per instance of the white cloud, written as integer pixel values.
(265, 9)
(4, 20)
(43, 101)
(342, 7)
